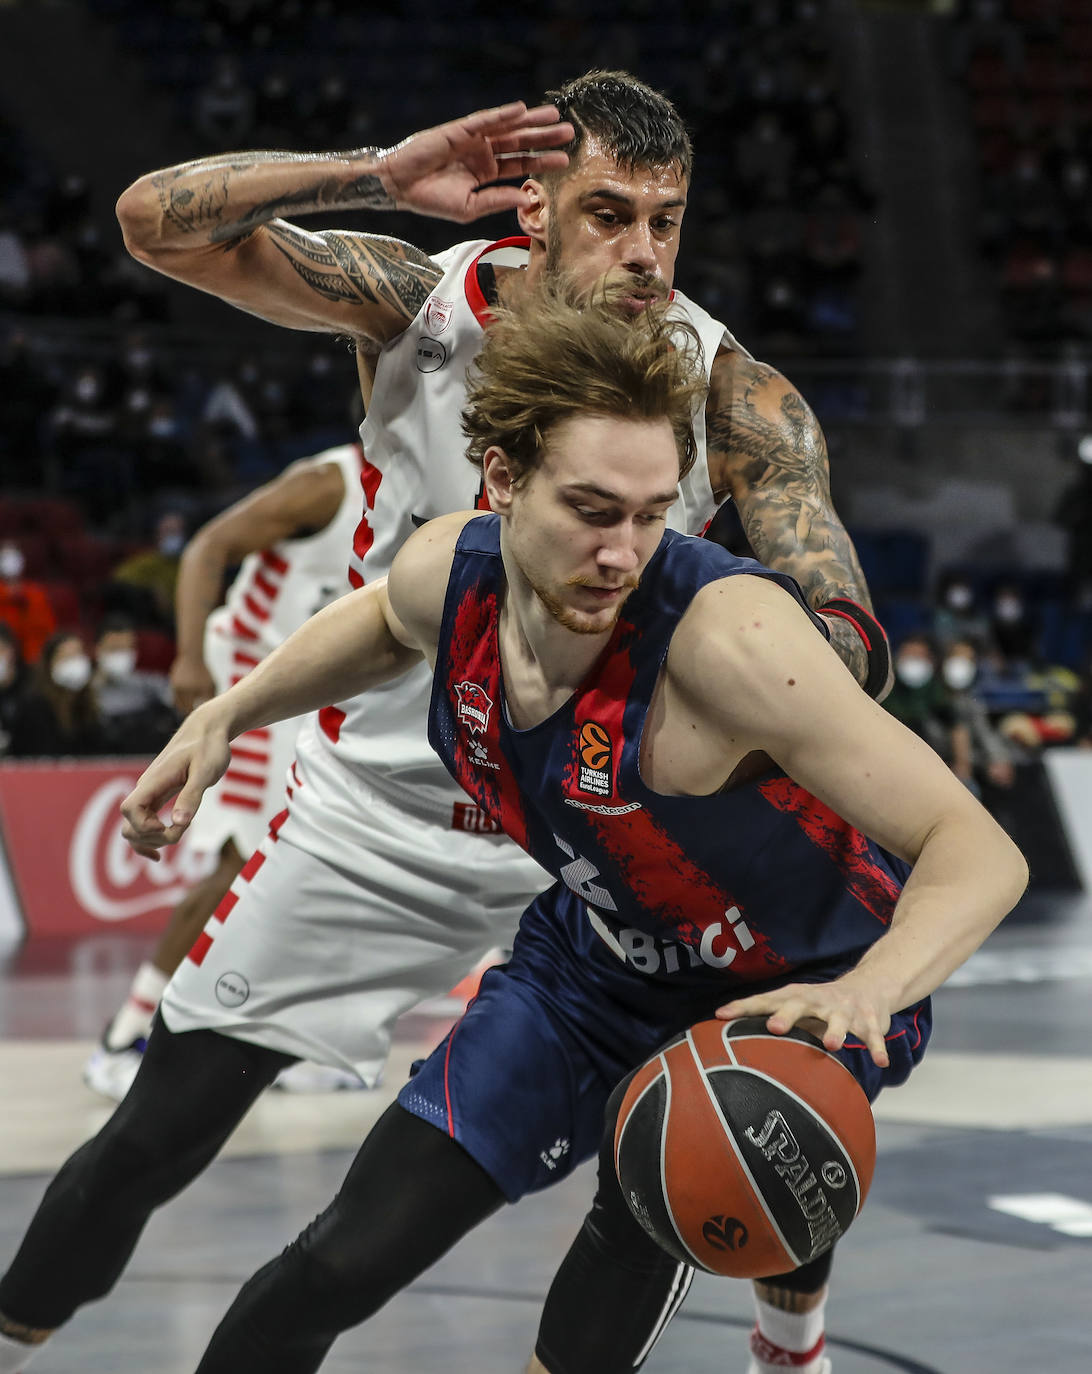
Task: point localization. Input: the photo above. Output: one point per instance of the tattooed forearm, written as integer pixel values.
(222, 197)
(359, 268)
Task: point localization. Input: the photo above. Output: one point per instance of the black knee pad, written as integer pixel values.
(809, 1278)
(616, 1290)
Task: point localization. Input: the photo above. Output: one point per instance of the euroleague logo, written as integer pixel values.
(596, 758)
(725, 1233)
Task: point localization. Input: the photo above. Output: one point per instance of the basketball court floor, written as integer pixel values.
(972, 1256)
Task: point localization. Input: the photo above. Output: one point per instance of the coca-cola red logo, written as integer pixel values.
(109, 879)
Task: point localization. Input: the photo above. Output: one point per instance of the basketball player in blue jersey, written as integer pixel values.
(331, 953)
(733, 825)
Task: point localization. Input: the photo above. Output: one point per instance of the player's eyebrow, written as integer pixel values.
(621, 198)
(604, 494)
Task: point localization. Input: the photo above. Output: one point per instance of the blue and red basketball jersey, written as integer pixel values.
(750, 887)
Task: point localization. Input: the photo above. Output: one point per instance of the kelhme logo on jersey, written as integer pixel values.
(473, 706)
(438, 314)
(596, 773)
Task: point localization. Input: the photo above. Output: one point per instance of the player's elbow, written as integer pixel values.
(140, 218)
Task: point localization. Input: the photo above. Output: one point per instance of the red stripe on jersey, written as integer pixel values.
(259, 732)
(227, 902)
(664, 879)
(364, 536)
(252, 865)
(370, 478)
(256, 609)
(330, 720)
(264, 585)
(355, 580)
(475, 296)
(237, 799)
(276, 823)
(245, 660)
(237, 775)
(868, 882)
(240, 628)
(200, 948)
(274, 561)
(248, 755)
(472, 656)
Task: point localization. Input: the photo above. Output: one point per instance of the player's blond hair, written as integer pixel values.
(551, 359)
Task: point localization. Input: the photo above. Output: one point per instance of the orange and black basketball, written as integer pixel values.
(744, 1153)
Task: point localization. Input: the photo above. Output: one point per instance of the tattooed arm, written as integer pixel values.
(215, 223)
(767, 451)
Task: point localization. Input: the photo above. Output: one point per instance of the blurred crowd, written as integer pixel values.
(1026, 66)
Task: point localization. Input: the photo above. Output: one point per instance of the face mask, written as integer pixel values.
(913, 672)
(11, 564)
(960, 598)
(87, 389)
(959, 673)
(172, 544)
(117, 663)
(1009, 608)
(73, 673)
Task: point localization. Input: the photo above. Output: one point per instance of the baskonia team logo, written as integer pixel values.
(473, 706)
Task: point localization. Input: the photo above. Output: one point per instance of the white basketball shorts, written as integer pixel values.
(350, 912)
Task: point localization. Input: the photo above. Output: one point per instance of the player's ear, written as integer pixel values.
(534, 212)
(498, 478)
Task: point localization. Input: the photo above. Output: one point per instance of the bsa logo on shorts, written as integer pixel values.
(473, 706)
(595, 759)
(438, 314)
(431, 355)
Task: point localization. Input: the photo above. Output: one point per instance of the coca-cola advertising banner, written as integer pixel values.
(73, 873)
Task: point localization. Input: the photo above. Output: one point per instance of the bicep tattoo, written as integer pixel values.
(359, 269)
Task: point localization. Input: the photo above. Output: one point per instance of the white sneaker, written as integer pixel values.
(111, 1072)
(305, 1077)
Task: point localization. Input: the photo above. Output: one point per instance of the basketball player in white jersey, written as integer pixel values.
(290, 537)
(378, 885)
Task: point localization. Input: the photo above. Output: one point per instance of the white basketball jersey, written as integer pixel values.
(415, 468)
(276, 590)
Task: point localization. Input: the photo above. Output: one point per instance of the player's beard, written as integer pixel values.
(578, 621)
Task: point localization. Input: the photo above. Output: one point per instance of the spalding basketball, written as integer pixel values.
(744, 1153)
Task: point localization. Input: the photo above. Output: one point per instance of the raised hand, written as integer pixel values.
(447, 171)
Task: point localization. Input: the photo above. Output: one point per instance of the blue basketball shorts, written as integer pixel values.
(523, 1078)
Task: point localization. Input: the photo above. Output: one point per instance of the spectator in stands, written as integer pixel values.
(24, 605)
(223, 110)
(59, 714)
(143, 585)
(13, 683)
(1013, 625)
(919, 697)
(957, 615)
(978, 751)
(135, 706)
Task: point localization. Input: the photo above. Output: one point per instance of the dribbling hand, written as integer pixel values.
(832, 1011)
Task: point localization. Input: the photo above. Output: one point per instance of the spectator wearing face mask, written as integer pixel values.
(919, 697)
(24, 605)
(143, 585)
(957, 614)
(59, 715)
(978, 751)
(134, 705)
(1012, 625)
(13, 683)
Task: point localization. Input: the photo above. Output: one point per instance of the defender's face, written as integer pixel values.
(583, 526)
(606, 224)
